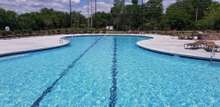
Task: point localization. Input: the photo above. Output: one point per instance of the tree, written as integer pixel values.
(211, 19)
(153, 11)
(177, 17)
(7, 18)
(116, 2)
(102, 19)
(127, 17)
(49, 19)
(133, 14)
(79, 20)
(199, 7)
(119, 2)
(184, 14)
(134, 2)
(27, 21)
(118, 16)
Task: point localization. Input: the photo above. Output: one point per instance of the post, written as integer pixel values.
(88, 13)
(91, 14)
(70, 4)
(212, 54)
(95, 6)
(142, 10)
(95, 12)
(197, 9)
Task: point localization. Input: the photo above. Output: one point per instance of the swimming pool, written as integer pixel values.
(102, 71)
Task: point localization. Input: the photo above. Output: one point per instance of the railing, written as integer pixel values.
(212, 55)
(61, 41)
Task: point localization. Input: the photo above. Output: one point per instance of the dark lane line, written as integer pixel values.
(113, 89)
(49, 89)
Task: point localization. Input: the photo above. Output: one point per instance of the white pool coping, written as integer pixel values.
(162, 44)
(173, 46)
(31, 44)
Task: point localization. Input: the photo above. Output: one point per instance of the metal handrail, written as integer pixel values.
(212, 54)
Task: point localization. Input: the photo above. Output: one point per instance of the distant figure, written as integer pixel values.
(7, 28)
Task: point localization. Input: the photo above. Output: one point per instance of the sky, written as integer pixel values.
(23, 6)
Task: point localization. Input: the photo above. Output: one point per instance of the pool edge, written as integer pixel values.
(64, 38)
(176, 54)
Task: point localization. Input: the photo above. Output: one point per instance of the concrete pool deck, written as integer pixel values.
(30, 44)
(173, 46)
(162, 44)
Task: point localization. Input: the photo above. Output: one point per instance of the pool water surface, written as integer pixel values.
(107, 71)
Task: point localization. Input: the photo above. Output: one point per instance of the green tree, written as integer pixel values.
(153, 11)
(119, 2)
(102, 19)
(211, 19)
(134, 2)
(27, 21)
(184, 14)
(199, 7)
(118, 16)
(7, 18)
(133, 17)
(78, 20)
(177, 17)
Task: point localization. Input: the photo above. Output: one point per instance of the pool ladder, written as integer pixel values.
(61, 41)
(212, 54)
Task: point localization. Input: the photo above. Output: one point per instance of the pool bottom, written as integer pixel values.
(50, 88)
(114, 72)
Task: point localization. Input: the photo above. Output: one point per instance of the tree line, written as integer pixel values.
(43, 20)
(182, 15)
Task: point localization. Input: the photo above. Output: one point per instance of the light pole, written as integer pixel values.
(95, 12)
(88, 13)
(91, 11)
(95, 6)
(142, 11)
(70, 7)
(91, 8)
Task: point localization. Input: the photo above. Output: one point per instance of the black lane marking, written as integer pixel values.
(49, 89)
(113, 89)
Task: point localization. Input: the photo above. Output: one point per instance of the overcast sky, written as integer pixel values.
(22, 6)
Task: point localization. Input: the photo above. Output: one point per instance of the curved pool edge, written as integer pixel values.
(63, 39)
(173, 53)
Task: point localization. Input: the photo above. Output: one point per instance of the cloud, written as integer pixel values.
(167, 3)
(101, 7)
(22, 6)
(67, 1)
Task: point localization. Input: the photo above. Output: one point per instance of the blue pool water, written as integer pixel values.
(108, 71)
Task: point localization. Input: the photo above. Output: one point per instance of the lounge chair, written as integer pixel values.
(196, 45)
(211, 46)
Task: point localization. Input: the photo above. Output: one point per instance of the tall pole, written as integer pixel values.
(95, 6)
(95, 10)
(70, 4)
(197, 10)
(91, 4)
(92, 8)
(88, 13)
(142, 9)
(122, 14)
